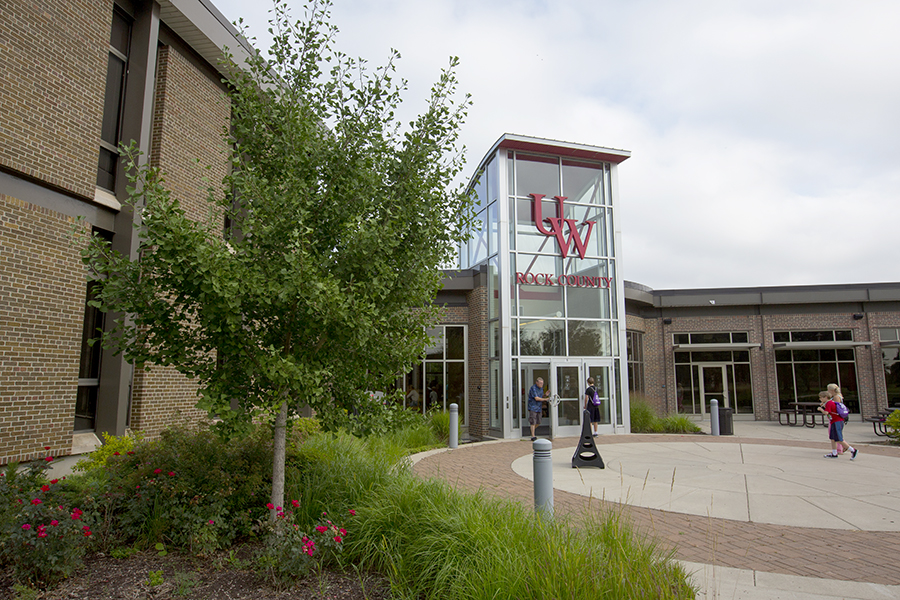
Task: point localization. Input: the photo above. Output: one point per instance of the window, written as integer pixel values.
(440, 379)
(89, 365)
(735, 337)
(116, 73)
(634, 341)
(695, 370)
(802, 373)
(890, 357)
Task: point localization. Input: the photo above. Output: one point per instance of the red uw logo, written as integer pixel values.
(556, 227)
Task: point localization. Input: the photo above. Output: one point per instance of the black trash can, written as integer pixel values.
(726, 421)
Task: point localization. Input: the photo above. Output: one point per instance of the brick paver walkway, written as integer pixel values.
(863, 556)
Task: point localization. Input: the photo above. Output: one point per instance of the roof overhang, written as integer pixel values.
(715, 347)
(818, 345)
(569, 149)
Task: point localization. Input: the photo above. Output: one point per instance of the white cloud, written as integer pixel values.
(764, 133)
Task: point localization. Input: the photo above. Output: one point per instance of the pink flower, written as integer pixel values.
(342, 531)
(76, 514)
(42, 534)
(54, 523)
(337, 538)
(157, 471)
(26, 526)
(352, 512)
(270, 506)
(130, 452)
(54, 481)
(49, 459)
(321, 529)
(116, 454)
(211, 522)
(171, 473)
(46, 447)
(45, 488)
(278, 508)
(36, 501)
(295, 503)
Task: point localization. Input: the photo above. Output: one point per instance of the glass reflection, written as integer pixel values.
(590, 338)
(435, 348)
(541, 301)
(537, 175)
(582, 182)
(542, 337)
(528, 238)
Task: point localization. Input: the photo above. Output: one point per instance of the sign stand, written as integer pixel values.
(586, 454)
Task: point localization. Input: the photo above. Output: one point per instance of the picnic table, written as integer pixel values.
(808, 411)
(878, 421)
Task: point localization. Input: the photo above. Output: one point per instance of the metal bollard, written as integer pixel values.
(454, 426)
(543, 478)
(714, 416)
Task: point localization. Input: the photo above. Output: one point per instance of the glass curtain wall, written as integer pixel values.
(890, 357)
(440, 379)
(802, 373)
(562, 259)
(701, 375)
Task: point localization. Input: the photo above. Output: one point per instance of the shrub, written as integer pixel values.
(41, 539)
(191, 488)
(643, 418)
(892, 426)
(292, 553)
(679, 424)
(112, 446)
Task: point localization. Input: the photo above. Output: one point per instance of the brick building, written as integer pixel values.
(77, 78)
(759, 349)
(539, 294)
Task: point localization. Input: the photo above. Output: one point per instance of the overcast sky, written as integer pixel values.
(765, 135)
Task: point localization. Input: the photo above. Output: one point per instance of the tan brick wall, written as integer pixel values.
(189, 118)
(53, 57)
(42, 295)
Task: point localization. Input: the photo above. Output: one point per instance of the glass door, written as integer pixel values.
(604, 383)
(530, 373)
(567, 384)
(713, 384)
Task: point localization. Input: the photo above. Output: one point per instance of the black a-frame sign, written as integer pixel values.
(586, 454)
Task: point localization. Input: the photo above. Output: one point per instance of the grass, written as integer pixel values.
(428, 539)
(645, 420)
(436, 543)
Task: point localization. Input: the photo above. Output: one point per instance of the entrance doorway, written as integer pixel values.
(566, 380)
(713, 384)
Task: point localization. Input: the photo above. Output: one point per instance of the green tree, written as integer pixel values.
(339, 221)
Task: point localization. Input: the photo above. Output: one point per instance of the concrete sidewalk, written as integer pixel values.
(761, 514)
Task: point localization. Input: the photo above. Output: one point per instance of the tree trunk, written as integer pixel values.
(280, 436)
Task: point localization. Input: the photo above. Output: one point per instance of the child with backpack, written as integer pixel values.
(832, 404)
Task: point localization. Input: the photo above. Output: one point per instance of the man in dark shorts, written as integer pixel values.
(535, 397)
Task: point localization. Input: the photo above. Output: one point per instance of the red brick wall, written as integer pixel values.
(53, 57)
(42, 295)
(479, 375)
(659, 372)
(190, 116)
